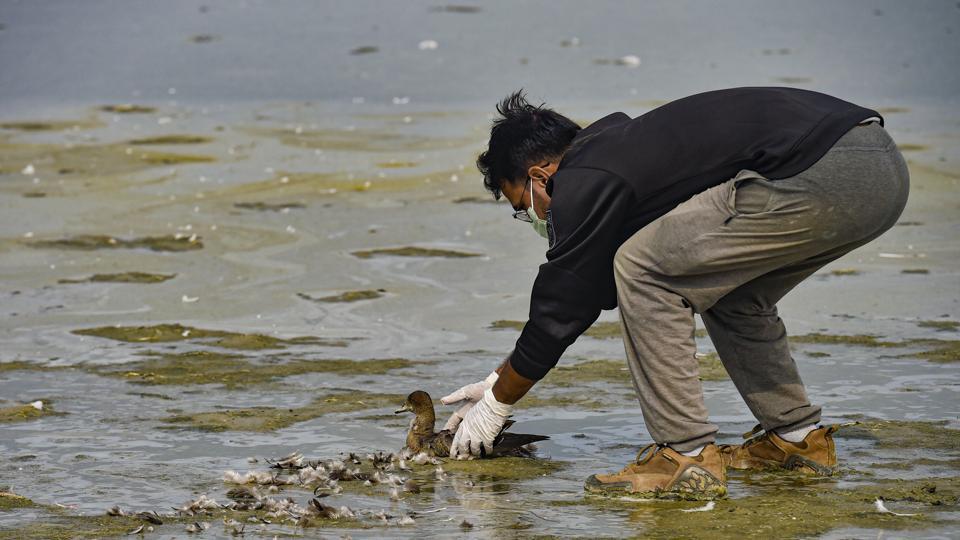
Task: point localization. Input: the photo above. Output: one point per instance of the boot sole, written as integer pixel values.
(695, 484)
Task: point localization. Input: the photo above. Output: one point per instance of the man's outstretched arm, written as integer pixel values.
(511, 386)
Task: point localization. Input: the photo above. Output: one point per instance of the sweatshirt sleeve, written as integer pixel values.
(588, 209)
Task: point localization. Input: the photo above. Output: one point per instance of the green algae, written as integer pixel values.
(904, 434)
(90, 242)
(396, 164)
(266, 419)
(348, 296)
(164, 333)
(788, 511)
(940, 325)
(599, 330)
(861, 340)
(588, 399)
(124, 277)
(58, 125)
(88, 160)
(711, 368)
(604, 330)
(845, 272)
(504, 468)
(933, 350)
(908, 147)
(938, 350)
(357, 140)
(12, 501)
(168, 158)
(892, 110)
(20, 365)
(412, 251)
(267, 207)
(151, 395)
(794, 80)
(454, 8)
(25, 413)
(611, 371)
(128, 108)
(74, 527)
(473, 199)
(915, 271)
(507, 325)
(171, 139)
(34, 195)
(234, 371)
(364, 49)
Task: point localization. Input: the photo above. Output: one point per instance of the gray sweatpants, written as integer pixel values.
(730, 253)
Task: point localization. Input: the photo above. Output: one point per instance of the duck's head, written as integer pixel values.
(416, 403)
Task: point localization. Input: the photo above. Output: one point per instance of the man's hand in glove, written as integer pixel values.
(466, 397)
(480, 427)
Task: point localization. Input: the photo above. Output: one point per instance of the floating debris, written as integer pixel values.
(466, 525)
(427, 45)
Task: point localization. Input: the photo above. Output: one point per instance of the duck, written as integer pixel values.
(422, 438)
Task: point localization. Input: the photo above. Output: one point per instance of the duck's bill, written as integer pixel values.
(405, 408)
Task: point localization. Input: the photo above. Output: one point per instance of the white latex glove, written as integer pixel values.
(480, 427)
(466, 397)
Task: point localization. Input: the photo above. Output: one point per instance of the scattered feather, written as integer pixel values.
(883, 509)
(705, 508)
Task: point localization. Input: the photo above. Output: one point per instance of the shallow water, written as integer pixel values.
(297, 188)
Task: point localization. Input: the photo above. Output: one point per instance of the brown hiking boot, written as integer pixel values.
(815, 455)
(661, 472)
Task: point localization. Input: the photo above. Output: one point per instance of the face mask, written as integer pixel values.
(539, 225)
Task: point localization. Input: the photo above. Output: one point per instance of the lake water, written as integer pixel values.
(306, 132)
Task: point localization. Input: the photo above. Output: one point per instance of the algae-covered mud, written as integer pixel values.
(125, 277)
(251, 243)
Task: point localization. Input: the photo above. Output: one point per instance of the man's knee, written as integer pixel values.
(625, 265)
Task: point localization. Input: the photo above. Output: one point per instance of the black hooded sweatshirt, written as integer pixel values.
(621, 174)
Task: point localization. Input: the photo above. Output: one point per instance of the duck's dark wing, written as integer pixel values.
(510, 443)
(440, 444)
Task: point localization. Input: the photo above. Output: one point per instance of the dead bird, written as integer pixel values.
(422, 438)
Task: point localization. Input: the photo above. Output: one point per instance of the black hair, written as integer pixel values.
(523, 135)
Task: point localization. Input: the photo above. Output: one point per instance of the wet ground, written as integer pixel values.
(193, 286)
